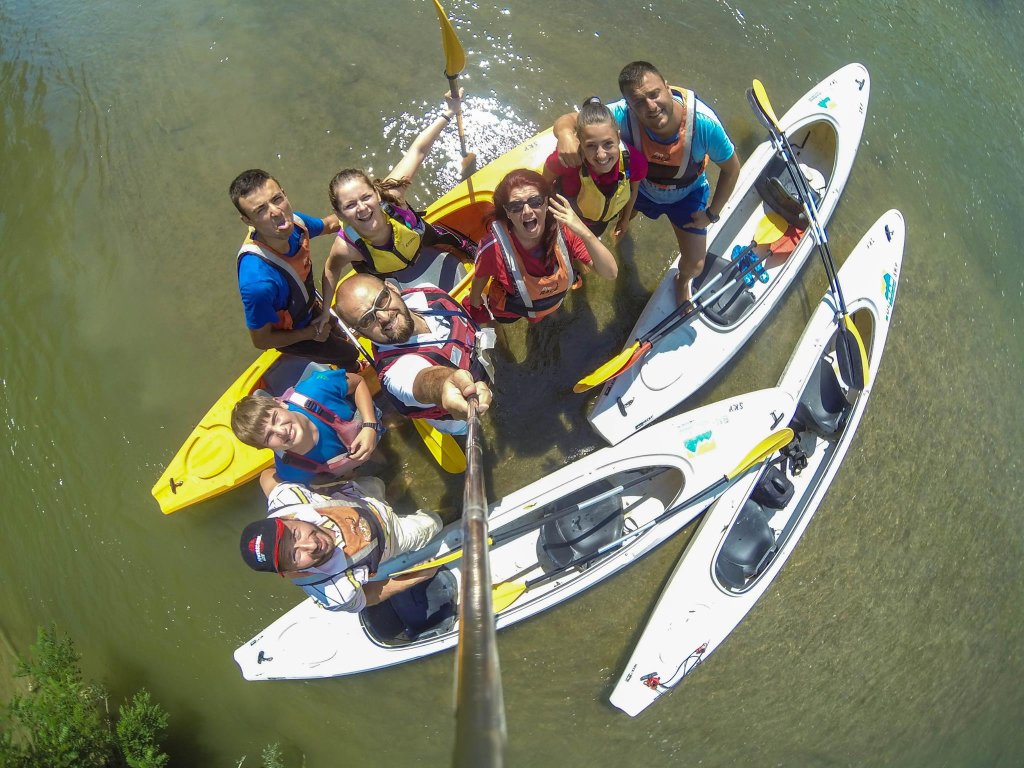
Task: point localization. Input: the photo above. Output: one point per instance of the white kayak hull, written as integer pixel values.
(825, 127)
(704, 601)
(696, 450)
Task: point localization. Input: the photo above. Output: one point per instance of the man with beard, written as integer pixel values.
(425, 348)
(332, 546)
(678, 133)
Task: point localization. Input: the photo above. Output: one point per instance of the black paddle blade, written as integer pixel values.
(851, 366)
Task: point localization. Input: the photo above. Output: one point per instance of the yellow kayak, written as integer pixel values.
(212, 460)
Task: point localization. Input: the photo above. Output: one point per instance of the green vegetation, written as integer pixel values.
(64, 721)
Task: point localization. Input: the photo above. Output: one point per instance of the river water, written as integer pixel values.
(893, 636)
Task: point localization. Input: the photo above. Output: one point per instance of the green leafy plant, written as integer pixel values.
(63, 721)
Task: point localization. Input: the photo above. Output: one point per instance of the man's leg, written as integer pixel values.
(693, 249)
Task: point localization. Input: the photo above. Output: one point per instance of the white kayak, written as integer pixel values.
(551, 540)
(746, 537)
(825, 127)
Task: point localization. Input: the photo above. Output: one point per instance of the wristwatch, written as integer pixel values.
(368, 425)
(712, 217)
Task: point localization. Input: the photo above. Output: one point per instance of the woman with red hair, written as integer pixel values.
(533, 253)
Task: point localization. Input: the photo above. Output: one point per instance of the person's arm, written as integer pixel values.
(338, 261)
(603, 260)
(450, 388)
(420, 147)
(366, 440)
(568, 146)
(476, 291)
(622, 223)
(729, 174)
(269, 337)
(379, 591)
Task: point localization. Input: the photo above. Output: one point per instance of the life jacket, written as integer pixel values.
(297, 271)
(340, 562)
(670, 165)
(407, 231)
(534, 296)
(346, 429)
(594, 205)
(456, 351)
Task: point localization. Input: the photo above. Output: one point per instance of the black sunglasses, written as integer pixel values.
(516, 206)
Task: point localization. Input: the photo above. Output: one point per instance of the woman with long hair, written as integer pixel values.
(535, 248)
(380, 233)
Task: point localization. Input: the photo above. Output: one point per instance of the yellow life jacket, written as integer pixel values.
(593, 204)
(407, 231)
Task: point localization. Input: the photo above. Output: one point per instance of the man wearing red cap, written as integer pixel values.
(332, 546)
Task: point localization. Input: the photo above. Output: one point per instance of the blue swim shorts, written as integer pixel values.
(680, 211)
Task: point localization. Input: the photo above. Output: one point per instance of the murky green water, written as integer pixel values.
(894, 635)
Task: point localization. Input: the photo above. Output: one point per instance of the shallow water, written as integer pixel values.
(892, 637)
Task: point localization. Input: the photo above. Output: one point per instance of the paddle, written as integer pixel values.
(480, 711)
(454, 63)
(768, 230)
(850, 351)
(503, 535)
(507, 592)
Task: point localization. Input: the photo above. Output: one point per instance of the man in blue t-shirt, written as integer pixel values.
(676, 132)
(309, 445)
(275, 275)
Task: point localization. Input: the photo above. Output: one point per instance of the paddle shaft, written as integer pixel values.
(453, 84)
(480, 711)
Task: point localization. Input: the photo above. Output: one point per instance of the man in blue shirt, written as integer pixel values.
(275, 275)
(677, 133)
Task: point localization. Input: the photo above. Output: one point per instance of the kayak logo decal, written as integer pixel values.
(702, 443)
(653, 680)
(827, 103)
(889, 289)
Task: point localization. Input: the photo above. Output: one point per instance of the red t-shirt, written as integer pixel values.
(569, 178)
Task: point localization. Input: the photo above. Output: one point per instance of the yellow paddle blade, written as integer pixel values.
(442, 447)
(451, 557)
(604, 372)
(763, 450)
(771, 228)
(454, 54)
(852, 328)
(506, 593)
(766, 106)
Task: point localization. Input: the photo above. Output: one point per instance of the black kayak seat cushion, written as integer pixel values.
(774, 489)
(822, 403)
(747, 546)
(582, 533)
(776, 188)
(729, 308)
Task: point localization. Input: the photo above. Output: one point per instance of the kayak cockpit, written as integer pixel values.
(422, 612)
(772, 192)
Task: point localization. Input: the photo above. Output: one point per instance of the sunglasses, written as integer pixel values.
(381, 303)
(516, 206)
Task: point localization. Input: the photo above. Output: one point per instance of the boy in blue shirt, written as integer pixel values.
(275, 275)
(323, 428)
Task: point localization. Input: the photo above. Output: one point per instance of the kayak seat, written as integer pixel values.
(572, 537)
(288, 371)
(776, 188)
(822, 404)
(774, 489)
(425, 610)
(731, 306)
(748, 547)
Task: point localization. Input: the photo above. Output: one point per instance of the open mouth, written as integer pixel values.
(363, 218)
(531, 226)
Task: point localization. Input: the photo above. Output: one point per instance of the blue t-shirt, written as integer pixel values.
(329, 388)
(709, 138)
(264, 289)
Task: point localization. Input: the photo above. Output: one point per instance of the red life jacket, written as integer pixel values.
(457, 351)
(346, 430)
